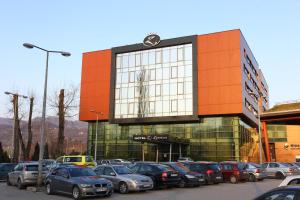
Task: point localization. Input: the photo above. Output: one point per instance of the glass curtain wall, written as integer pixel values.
(212, 139)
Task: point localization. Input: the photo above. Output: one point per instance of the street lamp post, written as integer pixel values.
(258, 97)
(15, 140)
(42, 135)
(96, 136)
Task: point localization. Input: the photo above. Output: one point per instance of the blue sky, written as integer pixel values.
(271, 28)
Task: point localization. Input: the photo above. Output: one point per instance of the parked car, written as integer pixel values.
(188, 178)
(77, 181)
(281, 193)
(278, 170)
(123, 179)
(255, 172)
(5, 168)
(234, 171)
(161, 175)
(25, 174)
(185, 159)
(295, 165)
(211, 170)
(79, 160)
(291, 180)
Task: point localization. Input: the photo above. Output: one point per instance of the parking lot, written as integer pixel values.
(224, 191)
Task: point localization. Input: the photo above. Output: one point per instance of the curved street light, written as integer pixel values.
(42, 138)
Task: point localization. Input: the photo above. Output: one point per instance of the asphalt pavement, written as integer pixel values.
(224, 191)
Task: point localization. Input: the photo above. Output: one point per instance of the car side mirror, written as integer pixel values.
(112, 173)
(66, 176)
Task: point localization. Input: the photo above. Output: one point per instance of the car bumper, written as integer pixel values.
(290, 173)
(214, 178)
(92, 192)
(140, 187)
(260, 175)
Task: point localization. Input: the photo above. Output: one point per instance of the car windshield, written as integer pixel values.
(177, 168)
(73, 159)
(122, 170)
(286, 165)
(76, 172)
(241, 166)
(32, 168)
(255, 165)
(88, 159)
(214, 167)
(197, 167)
(164, 168)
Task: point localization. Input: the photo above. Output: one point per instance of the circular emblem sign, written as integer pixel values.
(151, 40)
(286, 145)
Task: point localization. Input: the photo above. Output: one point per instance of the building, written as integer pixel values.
(281, 125)
(191, 96)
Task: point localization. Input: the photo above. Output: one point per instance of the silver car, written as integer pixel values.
(124, 180)
(25, 174)
(255, 172)
(278, 170)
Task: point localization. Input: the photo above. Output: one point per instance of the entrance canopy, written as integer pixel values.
(160, 139)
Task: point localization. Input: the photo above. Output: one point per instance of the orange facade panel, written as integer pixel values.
(95, 85)
(219, 73)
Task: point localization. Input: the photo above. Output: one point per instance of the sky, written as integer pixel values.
(271, 28)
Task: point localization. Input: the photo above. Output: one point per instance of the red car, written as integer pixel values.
(234, 171)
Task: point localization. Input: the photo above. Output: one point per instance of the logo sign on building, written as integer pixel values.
(151, 138)
(151, 40)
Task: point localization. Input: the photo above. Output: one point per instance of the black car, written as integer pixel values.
(211, 171)
(188, 178)
(5, 168)
(161, 175)
(77, 181)
(286, 192)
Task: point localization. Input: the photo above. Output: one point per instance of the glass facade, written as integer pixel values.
(277, 133)
(154, 83)
(215, 139)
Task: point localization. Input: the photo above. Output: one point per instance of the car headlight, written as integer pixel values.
(109, 184)
(135, 181)
(85, 185)
(189, 176)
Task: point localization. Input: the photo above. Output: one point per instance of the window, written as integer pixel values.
(280, 195)
(227, 167)
(174, 105)
(108, 171)
(131, 108)
(158, 90)
(117, 93)
(174, 72)
(131, 77)
(151, 106)
(152, 74)
(294, 182)
(180, 88)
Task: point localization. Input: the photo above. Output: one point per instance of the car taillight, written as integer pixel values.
(290, 169)
(257, 171)
(164, 175)
(209, 171)
(236, 172)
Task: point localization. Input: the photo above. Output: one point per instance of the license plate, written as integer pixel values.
(101, 189)
(173, 174)
(201, 179)
(218, 177)
(145, 186)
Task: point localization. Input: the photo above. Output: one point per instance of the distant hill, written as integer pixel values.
(75, 133)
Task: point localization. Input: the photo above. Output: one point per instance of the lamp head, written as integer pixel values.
(67, 54)
(28, 45)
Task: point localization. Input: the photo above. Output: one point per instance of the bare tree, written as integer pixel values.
(65, 105)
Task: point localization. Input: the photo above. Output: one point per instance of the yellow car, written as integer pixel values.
(79, 160)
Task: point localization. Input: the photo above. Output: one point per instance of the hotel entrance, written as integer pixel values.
(167, 148)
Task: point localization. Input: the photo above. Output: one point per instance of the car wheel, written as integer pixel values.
(279, 175)
(109, 193)
(123, 188)
(76, 193)
(233, 179)
(181, 183)
(49, 189)
(252, 178)
(19, 184)
(8, 181)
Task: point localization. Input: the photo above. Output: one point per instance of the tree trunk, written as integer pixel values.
(23, 148)
(29, 139)
(61, 123)
(15, 158)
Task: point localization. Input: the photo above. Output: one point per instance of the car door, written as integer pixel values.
(63, 181)
(272, 169)
(111, 175)
(15, 174)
